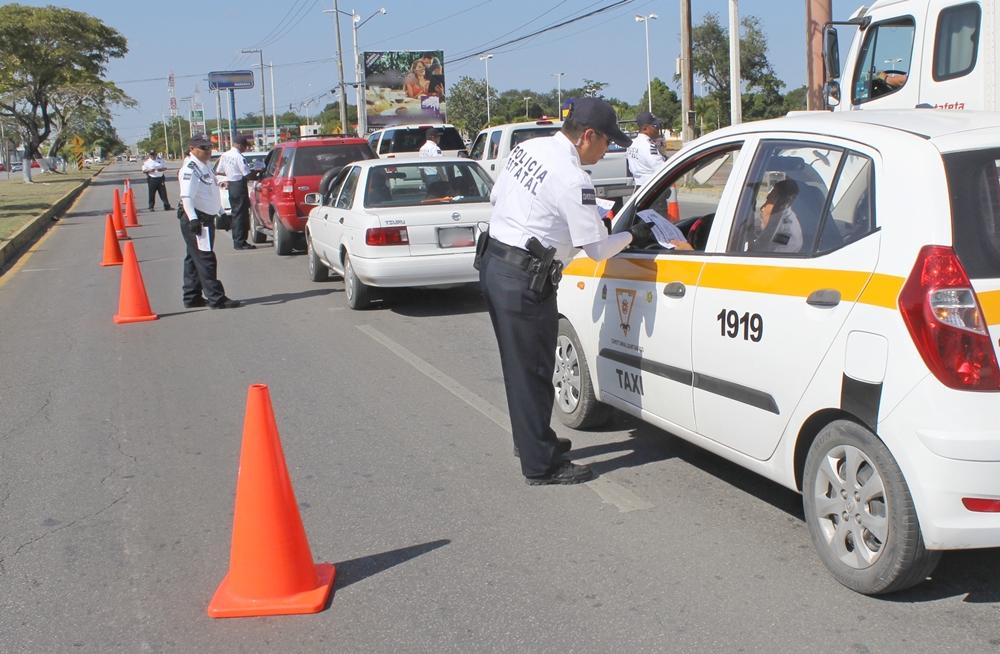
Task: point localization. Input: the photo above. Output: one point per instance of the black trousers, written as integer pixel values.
(239, 201)
(157, 185)
(199, 266)
(526, 324)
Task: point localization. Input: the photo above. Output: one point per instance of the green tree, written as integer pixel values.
(666, 105)
(795, 100)
(710, 63)
(43, 52)
(467, 104)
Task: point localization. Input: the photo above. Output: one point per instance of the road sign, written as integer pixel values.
(78, 148)
(230, 79)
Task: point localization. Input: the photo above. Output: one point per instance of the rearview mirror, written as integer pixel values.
(831, 53)
(831, 93)
(313, 199)
(463, 153)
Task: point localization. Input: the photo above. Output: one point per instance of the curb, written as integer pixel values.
(25, 237)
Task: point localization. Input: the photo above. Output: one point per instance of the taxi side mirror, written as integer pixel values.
(313, 199)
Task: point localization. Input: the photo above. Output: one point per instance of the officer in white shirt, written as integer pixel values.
(153, 168)
(643, 156)
(200, 205)
(430, 147)
(234, 166)
(544, 208)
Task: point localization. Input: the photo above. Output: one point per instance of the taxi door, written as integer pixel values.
(647, 296)
(800, 248)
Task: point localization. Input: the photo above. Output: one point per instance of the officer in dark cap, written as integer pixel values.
(544, 208)
(643, 156)
(200, 205)
(234, 166)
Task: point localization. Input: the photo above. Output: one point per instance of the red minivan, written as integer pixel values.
(293, 169)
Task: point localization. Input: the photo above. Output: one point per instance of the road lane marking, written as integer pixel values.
(608, 490)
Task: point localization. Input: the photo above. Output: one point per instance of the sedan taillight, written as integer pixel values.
(387, 236)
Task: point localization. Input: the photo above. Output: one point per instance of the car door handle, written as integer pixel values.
(824, 297)
(341, 221)
(674, 289)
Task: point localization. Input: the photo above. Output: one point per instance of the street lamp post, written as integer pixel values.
(486, 59)
(359, 90)
(526, 106)
(649, 85)
(188, 100)
(558, 77)
(263, 107)
(340, 65)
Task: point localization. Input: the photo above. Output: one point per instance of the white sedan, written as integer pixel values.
(385, 223)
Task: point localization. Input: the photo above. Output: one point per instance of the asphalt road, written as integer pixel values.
(119, 449)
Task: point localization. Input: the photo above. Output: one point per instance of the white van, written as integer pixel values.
(939, 54)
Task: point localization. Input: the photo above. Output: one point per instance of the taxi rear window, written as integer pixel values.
(974, 189)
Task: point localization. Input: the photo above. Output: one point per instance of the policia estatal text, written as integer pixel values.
(544, 208)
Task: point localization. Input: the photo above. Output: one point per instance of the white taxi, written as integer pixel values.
(833, 327)
(387, 223)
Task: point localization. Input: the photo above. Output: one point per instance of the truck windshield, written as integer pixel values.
(884, 62)
(974, 187)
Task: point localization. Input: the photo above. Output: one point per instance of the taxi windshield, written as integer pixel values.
(400, 185)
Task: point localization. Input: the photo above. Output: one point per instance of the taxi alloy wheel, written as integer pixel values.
(576, 403)
(318, 272)
(860, 513)
(357, 292)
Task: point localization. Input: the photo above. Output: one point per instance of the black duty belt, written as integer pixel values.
(513, 255)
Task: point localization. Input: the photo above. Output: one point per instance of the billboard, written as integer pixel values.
(404, 87)
(230, 79)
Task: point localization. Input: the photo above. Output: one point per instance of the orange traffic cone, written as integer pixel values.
(271, 569)
(673, 207)
(112, 253)
(133, 303)
(131, 219)
(116, 214)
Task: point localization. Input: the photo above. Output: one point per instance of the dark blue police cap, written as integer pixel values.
(599, 115)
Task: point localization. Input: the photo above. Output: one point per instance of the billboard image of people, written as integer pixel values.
(404, 88)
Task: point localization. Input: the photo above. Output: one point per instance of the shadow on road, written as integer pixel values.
(425, 302)
(355, 570)
(281, 298)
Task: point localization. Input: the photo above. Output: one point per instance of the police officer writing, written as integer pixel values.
(643, 156)
(153, 167)
(199, 206)
(430, 148)
(237, 172)
(544, 208)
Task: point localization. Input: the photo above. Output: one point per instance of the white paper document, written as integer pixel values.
(204, 239)
(664, 230)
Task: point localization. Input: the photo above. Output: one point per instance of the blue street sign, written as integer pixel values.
(230, 79)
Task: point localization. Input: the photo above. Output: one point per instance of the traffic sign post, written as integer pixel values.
(231, 80)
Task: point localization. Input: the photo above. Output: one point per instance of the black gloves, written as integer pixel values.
(195, 226)
(642, 233)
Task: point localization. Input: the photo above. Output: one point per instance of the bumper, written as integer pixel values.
(948, 446)
(427, 270)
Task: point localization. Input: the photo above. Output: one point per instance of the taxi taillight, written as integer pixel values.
(942, 313)
(387, 236)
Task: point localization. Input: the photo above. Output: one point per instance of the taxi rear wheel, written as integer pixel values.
(358, 293)
(860, 513)
(576, 404)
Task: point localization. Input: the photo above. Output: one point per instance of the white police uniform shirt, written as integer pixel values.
(430, 149)
(644, 159)
(199, 192)
(153, 167)
(543, 192)
(233, 165)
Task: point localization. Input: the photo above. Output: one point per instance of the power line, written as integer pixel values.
(191, 75)
(522, 25)
(306, 8)
(277, 26)
(434, 22)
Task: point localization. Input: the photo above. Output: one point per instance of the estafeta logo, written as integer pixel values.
(625, 301)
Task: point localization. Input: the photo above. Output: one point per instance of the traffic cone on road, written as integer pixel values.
(133, 303)
(131, 219)
(673, 207)
(112, 253)
(271, 569)
(116, 214)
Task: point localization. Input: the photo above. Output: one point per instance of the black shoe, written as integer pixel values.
(167, 207)
(566, 473)
(244, 246)
(152, 208)
(227, 303)
(195, 303)
(563, 445)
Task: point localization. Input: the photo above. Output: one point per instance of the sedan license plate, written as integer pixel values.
(456, 237)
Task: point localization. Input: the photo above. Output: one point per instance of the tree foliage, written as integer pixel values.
(52, 62)
(666, 104)
(467, 105)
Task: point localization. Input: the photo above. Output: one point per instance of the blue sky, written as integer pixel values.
(192, 38)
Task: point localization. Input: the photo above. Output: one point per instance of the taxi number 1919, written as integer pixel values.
(731, 324)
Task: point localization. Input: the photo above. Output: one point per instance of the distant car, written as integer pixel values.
(293, 169)
(407, 223)
(405, 140)
(255, 160)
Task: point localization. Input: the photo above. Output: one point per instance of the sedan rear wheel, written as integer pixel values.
(358, 293)
(282, 238)
(318, 272)
(860, 513)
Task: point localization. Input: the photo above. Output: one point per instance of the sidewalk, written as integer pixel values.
(27, 210)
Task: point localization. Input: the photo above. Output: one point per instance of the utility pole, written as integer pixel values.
(735, 95)
(263, 108)
(274, 106)
(687, 81)
(818, 14)
(526, 106)
(166, 135)
(218, 119)
(340, 66)
(558, 77)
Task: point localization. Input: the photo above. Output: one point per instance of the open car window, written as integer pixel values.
(401, 185)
